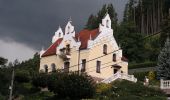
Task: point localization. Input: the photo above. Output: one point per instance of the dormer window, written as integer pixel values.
(104, 49)
(107, 23)
(59, 35)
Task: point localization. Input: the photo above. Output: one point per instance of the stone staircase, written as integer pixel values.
(120, 75)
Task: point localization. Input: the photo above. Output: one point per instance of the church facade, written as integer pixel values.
(94, 52)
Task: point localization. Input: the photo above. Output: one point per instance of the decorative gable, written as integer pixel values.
(58, 34)
(106, 21)
(69, 38)
(69, 29)
(85, 39)
(106, 24)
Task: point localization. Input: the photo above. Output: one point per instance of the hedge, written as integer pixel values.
(140, 75)
(142, 65)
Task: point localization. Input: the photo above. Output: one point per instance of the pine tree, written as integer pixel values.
(91, 23)
(163, 66)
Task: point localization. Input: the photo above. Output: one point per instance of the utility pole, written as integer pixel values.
(79, 61)
(11, 86)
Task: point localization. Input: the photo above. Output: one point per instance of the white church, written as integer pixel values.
(94, 52)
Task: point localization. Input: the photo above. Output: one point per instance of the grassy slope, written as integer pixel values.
(124, 90)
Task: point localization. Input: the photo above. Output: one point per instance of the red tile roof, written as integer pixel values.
(84, 36)
(52, 49)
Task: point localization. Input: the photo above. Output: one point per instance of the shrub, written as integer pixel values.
(142, 65)
(22, 76)
(40, 80)
(72, 86)
(140, 75)
(102, 87)
(151, 75)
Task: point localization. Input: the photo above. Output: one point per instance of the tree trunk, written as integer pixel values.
(142, 19)
(153, 18)
(147, 23)
(158, 16)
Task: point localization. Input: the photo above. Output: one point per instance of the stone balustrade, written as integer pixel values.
(164, 84)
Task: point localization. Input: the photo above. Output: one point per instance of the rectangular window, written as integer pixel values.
(98, 66)
(83, 69)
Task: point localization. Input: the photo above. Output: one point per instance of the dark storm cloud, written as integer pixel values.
(33, 22)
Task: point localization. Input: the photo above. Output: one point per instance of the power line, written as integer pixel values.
(107, 41)
(106, 66)
(159, 32)
(98, 43)
(121, 62)
(94, 58)
(110, 52)
(102, 66)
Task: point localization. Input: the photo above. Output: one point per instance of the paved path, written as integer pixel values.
(131, 71)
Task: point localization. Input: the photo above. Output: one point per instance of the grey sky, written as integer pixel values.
(33, 22)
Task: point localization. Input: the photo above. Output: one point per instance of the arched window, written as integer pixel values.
(114, 57)
(53, 67)
(45, 68)
(107, 23)
(104, 49)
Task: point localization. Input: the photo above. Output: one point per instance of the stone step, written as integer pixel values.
(167, 91)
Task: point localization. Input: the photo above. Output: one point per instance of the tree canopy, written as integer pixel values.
(3, 61)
